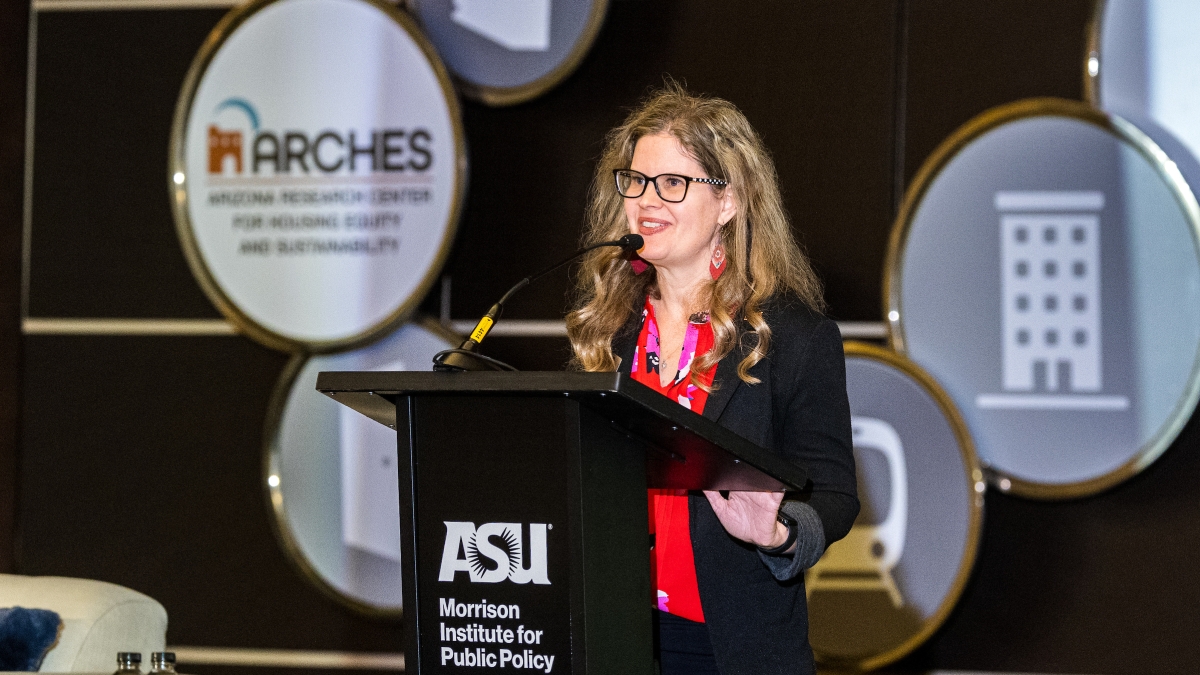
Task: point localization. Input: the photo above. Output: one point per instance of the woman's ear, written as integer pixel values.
(729, 206)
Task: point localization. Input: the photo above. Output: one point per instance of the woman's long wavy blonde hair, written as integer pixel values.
(763, 257)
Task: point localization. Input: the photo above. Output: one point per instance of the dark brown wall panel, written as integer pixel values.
(965, 56)
(14, 20)
(104, 241)
(815, 79)
(1107, 584)
(143, 467)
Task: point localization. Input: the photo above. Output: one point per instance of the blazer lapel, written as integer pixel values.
(725, 383)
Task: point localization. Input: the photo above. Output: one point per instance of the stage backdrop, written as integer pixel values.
(141, 457)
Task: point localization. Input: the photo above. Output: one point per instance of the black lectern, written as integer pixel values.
(523, 510)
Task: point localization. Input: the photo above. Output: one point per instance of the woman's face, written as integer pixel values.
(677, 235)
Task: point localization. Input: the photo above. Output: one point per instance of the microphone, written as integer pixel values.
(466, 357)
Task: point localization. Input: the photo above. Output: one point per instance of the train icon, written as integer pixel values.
(865, 558)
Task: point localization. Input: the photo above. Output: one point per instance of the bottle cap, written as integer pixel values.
(162, 657)
(128, 657)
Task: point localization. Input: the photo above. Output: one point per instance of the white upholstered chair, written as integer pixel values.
(99, 620)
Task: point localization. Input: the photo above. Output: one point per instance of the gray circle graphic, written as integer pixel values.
(881, 591)
(508, 51)
(1045, 270)
(1141, 65)
(331, 474)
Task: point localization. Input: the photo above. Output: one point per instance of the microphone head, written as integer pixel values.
(631, 242)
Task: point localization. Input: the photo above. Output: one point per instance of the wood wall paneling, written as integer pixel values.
(104, 242)
(14, 34)
(965, 56)
(143, 467)
(815, 79)
(142, 455)
(1107, 584)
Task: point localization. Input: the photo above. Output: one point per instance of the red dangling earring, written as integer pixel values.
(716, 267)
(638, 265)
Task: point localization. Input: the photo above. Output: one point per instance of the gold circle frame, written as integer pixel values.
(179, 198)
(505, 96)
(1167, 171)
(1091, 49)
(274, 494)
(974, 475)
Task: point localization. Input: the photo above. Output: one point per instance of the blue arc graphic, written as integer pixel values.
(243, 105)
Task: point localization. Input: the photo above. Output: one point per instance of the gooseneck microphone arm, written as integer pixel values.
(466, 357)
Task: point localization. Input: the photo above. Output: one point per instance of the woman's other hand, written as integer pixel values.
(751, 516)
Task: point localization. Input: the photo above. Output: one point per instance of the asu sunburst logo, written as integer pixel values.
(494, 552)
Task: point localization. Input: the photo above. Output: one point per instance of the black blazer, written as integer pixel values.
(799, 410)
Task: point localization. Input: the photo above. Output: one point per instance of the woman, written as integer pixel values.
(720, 312)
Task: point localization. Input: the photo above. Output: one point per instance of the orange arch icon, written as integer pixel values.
(222, 144)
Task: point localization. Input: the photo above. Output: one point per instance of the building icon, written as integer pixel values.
(1051, 304)
(222, 144)
(1050, 282)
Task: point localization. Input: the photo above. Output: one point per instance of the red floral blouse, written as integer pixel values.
(672, 567)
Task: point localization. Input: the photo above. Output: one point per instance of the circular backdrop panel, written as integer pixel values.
(331, 473)
(1143, 62)
(510, 51)
(880, 592)
(317, 170)
(1044, 268)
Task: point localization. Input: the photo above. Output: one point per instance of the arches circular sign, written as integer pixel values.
(317, 170)
(1045, 268)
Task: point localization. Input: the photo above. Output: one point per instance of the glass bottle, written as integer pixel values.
(162, 663)
(129, 663)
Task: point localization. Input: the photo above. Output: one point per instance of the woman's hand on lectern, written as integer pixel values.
(751, 516)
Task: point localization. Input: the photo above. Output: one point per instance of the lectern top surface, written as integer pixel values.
(677, 434)
(418, 382)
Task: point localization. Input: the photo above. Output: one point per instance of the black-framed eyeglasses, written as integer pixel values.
(672, 188)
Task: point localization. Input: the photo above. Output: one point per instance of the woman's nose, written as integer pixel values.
(650, 197)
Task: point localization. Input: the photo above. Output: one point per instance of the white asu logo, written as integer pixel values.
(494, 552)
